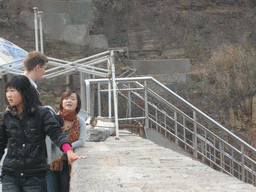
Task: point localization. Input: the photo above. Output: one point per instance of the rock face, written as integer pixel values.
(98, 41)
(67, 21)
(76, 34)
(195, 27)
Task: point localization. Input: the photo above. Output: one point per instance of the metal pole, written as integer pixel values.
(129, 102)
(165, 126)
(184, 132)
(114, 92)
(36, 27)
(41, 30)
(99, 101)
(109, 93)
(176, 126)
(146, 105)
(215, 146)
(87, 83)
(221, 156)
(92, 100)
(156, 121)
(195, 134)
(243, 170)
(232, 163)
(109, 100)
(82, 91)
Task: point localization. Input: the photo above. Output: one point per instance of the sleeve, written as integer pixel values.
(82, 136)
(65, 147)
(3, 138)
(52, 128)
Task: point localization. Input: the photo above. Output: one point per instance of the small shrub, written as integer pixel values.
(226, 80)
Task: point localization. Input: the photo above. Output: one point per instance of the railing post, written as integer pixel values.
(82, 90)
(165, 126)
(156, 121)
(129, 102)
(92, 99)
(243, 170)
(88, 107)
(232, 163)
(221, 156)
(204, 147)
(109, 94)
(195, 134)
(176, 126)
(184, 132)
(146, 104)
(114, 92)
(109, 100)
(253, 175)
(99, 100)
(36, 27)
(214, 151)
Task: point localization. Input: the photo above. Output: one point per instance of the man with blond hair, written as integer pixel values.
(35, 64)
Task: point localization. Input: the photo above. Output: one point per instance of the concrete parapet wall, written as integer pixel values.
(146, 67)
(174, 73)
(131, 163)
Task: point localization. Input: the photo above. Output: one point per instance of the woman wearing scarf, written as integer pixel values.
(75, 128)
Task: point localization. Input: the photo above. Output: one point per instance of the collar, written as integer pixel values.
(11, 110)
(31, 81)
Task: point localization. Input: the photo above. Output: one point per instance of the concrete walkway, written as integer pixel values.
(136, 164)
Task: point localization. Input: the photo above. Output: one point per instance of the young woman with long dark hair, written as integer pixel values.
(24, 128)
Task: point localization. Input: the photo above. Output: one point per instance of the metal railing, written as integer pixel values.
(156, 106)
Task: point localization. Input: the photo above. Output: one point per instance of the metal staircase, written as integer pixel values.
(156, 106)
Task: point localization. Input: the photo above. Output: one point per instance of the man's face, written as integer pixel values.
(41, 72)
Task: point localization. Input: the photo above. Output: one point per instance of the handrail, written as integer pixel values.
(168, 118)
(188, 104)
(179, 98)
(203, 114)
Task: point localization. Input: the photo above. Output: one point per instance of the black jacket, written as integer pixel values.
(26, 154)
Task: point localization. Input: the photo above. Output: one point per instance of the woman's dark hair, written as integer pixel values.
(66, 94)
(22, 84)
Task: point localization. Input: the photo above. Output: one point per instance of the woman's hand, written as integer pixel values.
(72, 156)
